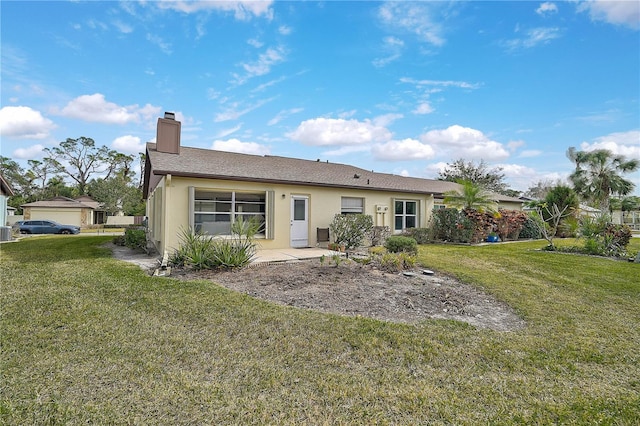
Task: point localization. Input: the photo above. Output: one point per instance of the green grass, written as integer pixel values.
(89, 339)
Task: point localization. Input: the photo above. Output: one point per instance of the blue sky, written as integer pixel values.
(399, 88)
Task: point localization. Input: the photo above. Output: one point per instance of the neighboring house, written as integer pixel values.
(293, 199)
(588, 211)
(83, 211)
(5, 192)
(630, 218)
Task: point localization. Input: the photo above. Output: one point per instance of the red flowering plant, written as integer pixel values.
(509, 223)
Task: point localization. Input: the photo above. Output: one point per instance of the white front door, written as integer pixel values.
(299, 221)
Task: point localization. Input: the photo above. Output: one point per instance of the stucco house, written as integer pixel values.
(82, 211)
(295, 200)
(5, 192)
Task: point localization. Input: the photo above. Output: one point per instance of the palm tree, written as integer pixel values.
(470, 196)
(598, 175)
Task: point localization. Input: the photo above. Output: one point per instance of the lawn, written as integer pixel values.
(89, 339)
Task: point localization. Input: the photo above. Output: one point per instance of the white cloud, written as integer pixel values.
(234, 111)
(95, 108)
(514, 145)
(414, 17)
(284, 114)
(284, 30)
(28, 153)
(440, 83)
(620, 143)
(406, 149)
(530, 153)
(255, 43)
(464, 142)
(262, 66)
(386, 119)
(547, 8)
(243, 10)
(332, 131)
(122, 27)
(534, 37)
(625, 13)
(24, 123)
(392, 47)
(519, 177)
(128, 144)
(226, 132)
(158, 41)
(423, 108)
(235, 145)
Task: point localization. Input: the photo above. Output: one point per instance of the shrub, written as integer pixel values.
(483, 223)
(529, 229)
(421, 235)
(396, 262)
(375, 251)
(509, 223)
(611, 241)
(350, 230)
(399, 243)
(204, 252)
(119, 240)
(378, 235)
(135, 238)
(451, 225)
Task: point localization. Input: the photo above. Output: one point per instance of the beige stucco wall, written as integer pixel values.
(63, 216)
(324, 203)
(507, 205)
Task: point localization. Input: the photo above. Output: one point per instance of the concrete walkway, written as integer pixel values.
(290, 254)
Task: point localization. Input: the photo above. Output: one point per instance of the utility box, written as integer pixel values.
(5, 233)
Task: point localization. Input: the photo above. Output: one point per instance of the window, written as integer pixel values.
(213, 212)
(351, 205)
(406, 214)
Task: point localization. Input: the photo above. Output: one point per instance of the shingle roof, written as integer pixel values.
(65, 203)
(205, 163)
(212, 164)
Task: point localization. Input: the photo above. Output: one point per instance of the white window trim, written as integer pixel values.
(404, 214)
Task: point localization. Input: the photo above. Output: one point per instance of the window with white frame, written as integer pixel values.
(214, 211)
(406, 214)
(352, 205)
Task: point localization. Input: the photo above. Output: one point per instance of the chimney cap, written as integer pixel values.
(169, 115)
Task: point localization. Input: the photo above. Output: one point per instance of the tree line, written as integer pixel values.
(598, 180)
(78, 167)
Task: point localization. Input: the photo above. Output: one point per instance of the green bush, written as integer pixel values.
(611, 241)
(119, 240)
(530, 230)
(350, 230)
(396, 262)
(135, 238)
(451, 225)
(400, 243)
(421, 235)
(204, 252)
